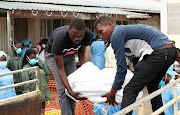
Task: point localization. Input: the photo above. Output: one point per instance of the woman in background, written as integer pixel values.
(30, 61)
(98, 50)
(5, 80)
(26, 44)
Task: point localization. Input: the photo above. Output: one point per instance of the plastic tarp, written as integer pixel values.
(100, 109)
(93, 83)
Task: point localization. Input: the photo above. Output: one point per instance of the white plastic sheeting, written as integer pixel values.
(93, 83)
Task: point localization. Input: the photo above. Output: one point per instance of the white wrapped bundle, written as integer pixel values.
(93, 83)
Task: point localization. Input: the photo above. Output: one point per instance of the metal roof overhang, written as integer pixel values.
(152, 6)
(64, 8)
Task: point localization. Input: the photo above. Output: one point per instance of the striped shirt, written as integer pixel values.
(61, 44)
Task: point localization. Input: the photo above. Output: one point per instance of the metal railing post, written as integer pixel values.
(37, 79)
(176, 98)
(152, 95)
(141, 109)
(22, 83)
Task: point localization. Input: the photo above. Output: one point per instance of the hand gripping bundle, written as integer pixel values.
(93, 83)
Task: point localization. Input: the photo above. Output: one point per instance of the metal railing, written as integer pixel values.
(140, 104)
(22, 83)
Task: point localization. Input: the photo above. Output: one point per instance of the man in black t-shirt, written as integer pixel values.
(60, 57)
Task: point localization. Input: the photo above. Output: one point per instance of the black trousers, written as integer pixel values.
(149, 72)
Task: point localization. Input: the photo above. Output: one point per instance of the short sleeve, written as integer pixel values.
(58, 45)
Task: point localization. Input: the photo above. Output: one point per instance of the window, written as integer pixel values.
(48, 26)
(121, 22)
(43, 28)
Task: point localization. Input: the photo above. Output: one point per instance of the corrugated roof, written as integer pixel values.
(151, 5)
(64, 8)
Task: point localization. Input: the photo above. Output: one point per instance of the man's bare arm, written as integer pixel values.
(81, 54)
(63, 77)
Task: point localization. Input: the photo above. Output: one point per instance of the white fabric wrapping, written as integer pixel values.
(93, 83)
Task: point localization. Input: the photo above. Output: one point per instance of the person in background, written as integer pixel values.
(61, 48)
(110, 58)
(44, 67)
(14, 63)
(5, 80)
(167, 95)
(41, 46)
(26, 44)
(98, 50)
(176, 66)
(42, 64)
(30, 61)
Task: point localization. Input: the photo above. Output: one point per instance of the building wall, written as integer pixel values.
(66, 22)
(153, 21)
(173, 21)
(34, 30)
(27, 28)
